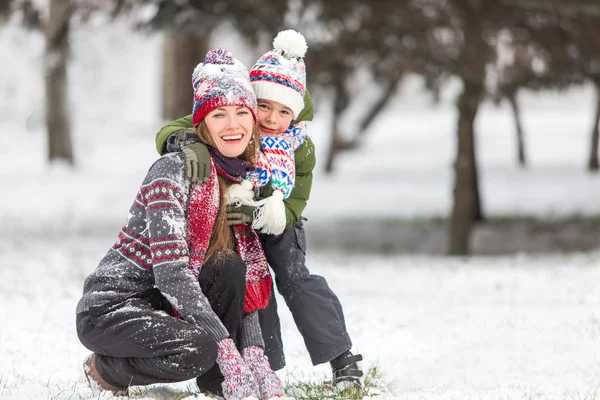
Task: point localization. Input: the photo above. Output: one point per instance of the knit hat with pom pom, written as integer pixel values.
(280, 74)
(219, 81)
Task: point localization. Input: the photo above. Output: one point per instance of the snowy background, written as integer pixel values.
(510, 327)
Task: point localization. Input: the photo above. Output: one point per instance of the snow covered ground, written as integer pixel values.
(508, 327)
(437, 328)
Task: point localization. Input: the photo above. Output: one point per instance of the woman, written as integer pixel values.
(177, 296)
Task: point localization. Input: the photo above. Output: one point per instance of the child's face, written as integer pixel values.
(230, 128)
(273, 118)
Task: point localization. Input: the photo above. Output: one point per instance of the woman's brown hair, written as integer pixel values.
(222, 235)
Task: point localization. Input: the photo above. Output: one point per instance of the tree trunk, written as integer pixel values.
(340, 102)
(514, 105)
(593, 162)
(478, 212)
(466, 203)
(379, 105)
(57, 96)
(336, 142)
(181, 53)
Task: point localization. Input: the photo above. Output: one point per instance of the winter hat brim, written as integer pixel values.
(280, 93)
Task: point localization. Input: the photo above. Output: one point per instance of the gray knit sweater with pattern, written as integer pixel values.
(152, 252)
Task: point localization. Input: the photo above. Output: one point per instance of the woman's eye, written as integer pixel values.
(243, 112)
(218, 115)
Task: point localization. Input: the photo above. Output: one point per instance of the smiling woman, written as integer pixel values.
(228, 129)
(177, 296)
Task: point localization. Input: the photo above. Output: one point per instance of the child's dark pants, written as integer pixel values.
(315, 308)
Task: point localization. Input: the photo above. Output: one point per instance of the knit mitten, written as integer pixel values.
(239, 381)
(269, 383)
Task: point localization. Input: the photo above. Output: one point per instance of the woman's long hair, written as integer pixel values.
(222, 235)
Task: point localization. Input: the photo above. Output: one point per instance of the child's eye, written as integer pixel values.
(263, 106)
(285, 112)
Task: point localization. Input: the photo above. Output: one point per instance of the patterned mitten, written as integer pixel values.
(270, 385)
(239, 381)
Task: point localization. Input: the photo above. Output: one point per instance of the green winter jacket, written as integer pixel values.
(305, 163)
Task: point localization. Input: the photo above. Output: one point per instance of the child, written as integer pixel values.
(279, 79)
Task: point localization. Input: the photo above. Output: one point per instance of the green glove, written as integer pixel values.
(239, 215)
(196, 155)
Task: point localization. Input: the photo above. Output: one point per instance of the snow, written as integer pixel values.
(509, 327)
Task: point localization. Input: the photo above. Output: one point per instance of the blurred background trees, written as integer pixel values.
(494, 48)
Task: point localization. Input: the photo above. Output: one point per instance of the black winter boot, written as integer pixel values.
(346, 372)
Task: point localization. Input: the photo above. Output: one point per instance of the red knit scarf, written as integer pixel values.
(203, 210)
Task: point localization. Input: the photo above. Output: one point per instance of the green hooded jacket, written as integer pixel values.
(304, 156)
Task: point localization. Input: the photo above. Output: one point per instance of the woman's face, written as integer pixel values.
(273, 118)
(230, 128)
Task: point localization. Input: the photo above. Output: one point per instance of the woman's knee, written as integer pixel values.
(201, 356)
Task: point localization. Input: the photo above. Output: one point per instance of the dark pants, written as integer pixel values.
(139, 342)
(271, 332)
(316, 310)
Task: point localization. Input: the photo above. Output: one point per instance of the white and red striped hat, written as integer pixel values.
(280, 74)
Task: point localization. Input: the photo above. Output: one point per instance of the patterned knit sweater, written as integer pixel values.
(152, 251)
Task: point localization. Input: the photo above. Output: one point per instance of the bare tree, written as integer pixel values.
(181, 53)
(364, 36)
(593, 164)
(466, 205)
(188, 26)
(514, 69)
(57, 100)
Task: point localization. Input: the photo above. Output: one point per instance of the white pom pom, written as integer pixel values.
(196, 72)
(246, 184)
(269, 218)
(291, 42)
(241, 193)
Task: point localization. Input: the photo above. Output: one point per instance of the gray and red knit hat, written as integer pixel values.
(280, 74)
(221, 80)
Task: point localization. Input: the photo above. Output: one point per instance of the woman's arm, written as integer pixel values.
(164, 195)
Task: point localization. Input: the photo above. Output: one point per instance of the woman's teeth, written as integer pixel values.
(232, 137)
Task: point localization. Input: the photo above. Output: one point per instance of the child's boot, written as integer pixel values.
(346, 372)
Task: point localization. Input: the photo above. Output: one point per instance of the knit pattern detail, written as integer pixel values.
(251, 333)
(204, 205)
(221, 81)
(258, 279)
(239, 382)
(278, 168)
(264, 75)
(269, 383)
(152, 250)
(280, 74)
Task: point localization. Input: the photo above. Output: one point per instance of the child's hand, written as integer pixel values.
(196, 155)
(197, 162)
